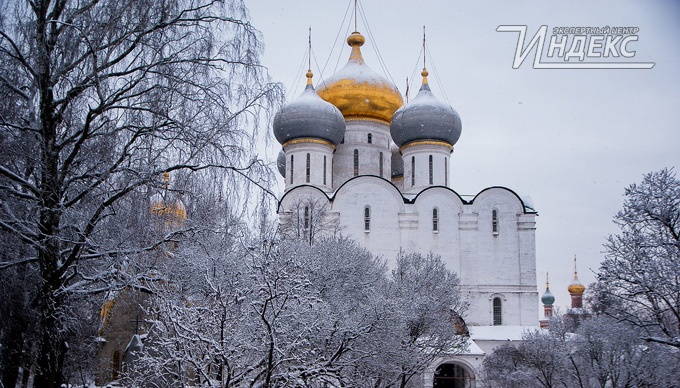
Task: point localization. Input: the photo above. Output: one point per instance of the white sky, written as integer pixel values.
(571, 139)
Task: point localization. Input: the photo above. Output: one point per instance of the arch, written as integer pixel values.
(486, 192)
(453, 374)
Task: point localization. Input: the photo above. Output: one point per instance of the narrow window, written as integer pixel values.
(380, 163)
(324, 170)
(435, 220)
(370, 138)
(306, 217)
(356, 162)
(446, 171)
(308, 167)
(291, 169)
(431, 167)
(367, 219)
(413, 170)
(343, 140)
(497, 312)
(494, 221)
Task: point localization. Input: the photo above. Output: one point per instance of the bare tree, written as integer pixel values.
(98, 100)
(640, 276)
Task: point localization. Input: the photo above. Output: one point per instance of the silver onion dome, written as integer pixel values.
(425, 118)
(308, 116)
(281, 163)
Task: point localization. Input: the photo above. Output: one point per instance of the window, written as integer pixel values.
(446, 171)
(367, 219)
(370, 138)
(324, 169)
(431, 169)
(356, 162)
(497, 312)
(413, 170)
(343, 140)
(380, 163)
(306, 217)
(308, 167)
(435, 220)
(494, 221)
(291, 169)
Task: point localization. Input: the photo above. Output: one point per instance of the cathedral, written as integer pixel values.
(358, 161)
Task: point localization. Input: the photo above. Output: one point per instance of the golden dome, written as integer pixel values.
(359, 92)
(576, 287)
(172, 213)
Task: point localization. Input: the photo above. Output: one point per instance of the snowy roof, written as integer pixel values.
(473, 349)
(499, 333)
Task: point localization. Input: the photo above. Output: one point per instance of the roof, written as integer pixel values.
(499, 333)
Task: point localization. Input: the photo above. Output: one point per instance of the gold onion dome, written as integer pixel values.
(576, 287)
(359, 92)
(171, 212)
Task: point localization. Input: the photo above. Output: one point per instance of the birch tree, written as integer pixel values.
(640, 276)
(98, 100)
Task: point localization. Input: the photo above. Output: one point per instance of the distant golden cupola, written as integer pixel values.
(359, 92)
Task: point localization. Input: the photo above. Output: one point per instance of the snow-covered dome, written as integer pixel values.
(308, 116)
(576, 287)
(359, 92)
(169, 211)
(281, 163)
(425, 118)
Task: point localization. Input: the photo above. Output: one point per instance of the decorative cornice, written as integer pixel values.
(307, 140)
(426, 142)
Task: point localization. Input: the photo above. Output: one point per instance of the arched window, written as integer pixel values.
(446, 171)
(431, 167)
(324, 169)
(497, 312)
(367, 219)
(306, 217)
(309, 162)
(380, 163)
(413, 170)
(451, 376)
(370, 138)
(356, 162)
(435, 220)
(494, 221)
(291, 169)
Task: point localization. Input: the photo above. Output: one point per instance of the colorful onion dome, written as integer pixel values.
(359, 92)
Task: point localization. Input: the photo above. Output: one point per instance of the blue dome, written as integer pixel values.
(425, 118)
(308, 116)
(548, 298)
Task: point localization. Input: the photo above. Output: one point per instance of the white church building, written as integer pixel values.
(359, 161)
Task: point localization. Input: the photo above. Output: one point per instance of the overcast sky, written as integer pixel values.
(570, 139)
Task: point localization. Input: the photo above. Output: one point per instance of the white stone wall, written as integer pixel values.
(298, 167)
(356, 138)
(489, 264)
(416, 180)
